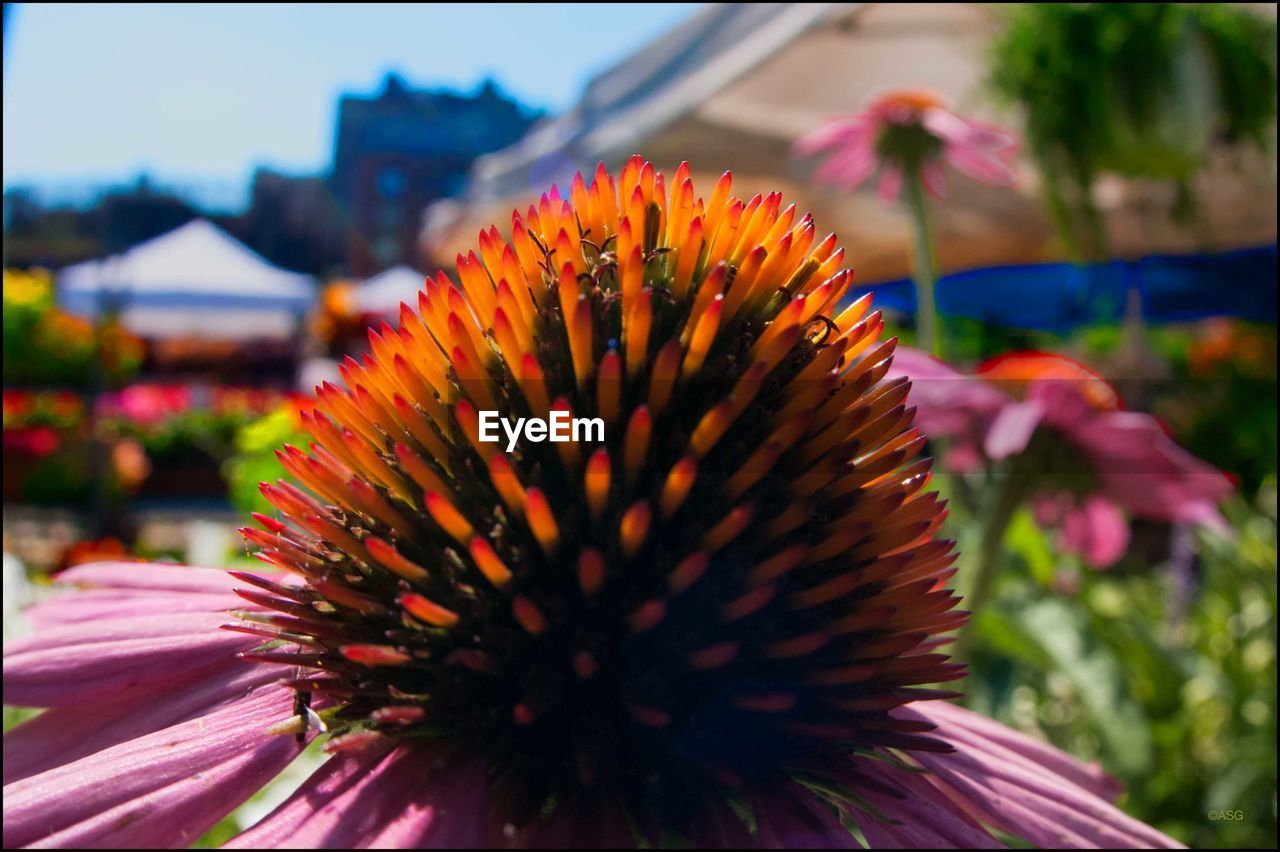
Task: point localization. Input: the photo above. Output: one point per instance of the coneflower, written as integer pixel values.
(719, 625)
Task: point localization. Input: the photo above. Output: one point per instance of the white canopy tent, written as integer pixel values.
(194, 281)
(382, 294)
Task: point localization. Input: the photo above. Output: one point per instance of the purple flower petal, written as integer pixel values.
(1096, 530)
(795, 819)
(922, 816)
(407, 797)
(163, 789)
(62, 735)
(1028, 798)
(1011, 429)
(961, 723)
(841, 132)
(148, 575)
(84, 664)
(890, 182)
(97, 604)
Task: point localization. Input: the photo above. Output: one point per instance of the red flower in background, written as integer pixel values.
(1092, 461)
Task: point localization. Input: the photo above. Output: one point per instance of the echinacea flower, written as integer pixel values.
(717, 627)
(907, 134)
(905, 131)
(1088, 462)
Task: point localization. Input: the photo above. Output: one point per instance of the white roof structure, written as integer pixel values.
(382, 294)
(736, 84)
(194, 281)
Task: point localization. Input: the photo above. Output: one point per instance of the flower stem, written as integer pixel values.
(1009, 497)
(925, 271)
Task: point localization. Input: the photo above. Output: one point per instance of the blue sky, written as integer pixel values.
(199, 95)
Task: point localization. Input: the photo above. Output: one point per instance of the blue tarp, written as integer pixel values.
(1063, 296)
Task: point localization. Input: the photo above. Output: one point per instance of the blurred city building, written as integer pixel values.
(399, 150)
(734, 86)
(294, 222)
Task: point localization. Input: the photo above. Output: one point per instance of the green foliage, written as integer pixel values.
(255, 459)
(1139, 89)
(1173, 693)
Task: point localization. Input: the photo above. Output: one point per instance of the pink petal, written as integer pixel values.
(979, 165)
(95, 604)
(1096, 530)
(841, 132)
(795, 819)
(935, 179)
(61, 735)
(163, 789)
(890, 183)
(961, 723)
(1012, 428)
(953, 129)
(849, 167)
(922, 816)
(150, 575)
(950, 404)
(408, 797)
(1027, 798)
(84, 664)
(587, 825)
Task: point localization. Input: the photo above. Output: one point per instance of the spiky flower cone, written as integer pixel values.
(735, 587)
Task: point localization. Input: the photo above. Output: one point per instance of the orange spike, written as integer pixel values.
(648, 615)
(508, 341)
(729, 528)
(712, 287)
(662, 378)
(569, 252)
(753, 469)
(528, 615)
(609, 387)
(427, 610)
(580, 342)
(690, 248)
(688, 572)
(542, 522)
(417, 426)
(448, 517)
(392, 560)
(493, 568)
(676, 487)
(704, 334)
(590, 571)
(419, 471)
(636, 442)
(636, 332)
(374, 655)
(596, 482)
(736, 296)
(711, 427)
(507, 483)
(533, 386)
(777, 565)
(634, 527)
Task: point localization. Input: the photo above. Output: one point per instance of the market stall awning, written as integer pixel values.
(736, 84)
(382, 294)
(194, 281)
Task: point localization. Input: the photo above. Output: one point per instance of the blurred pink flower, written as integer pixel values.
(146, 405)
(1097, 461)
(156, 731)
(907, 129)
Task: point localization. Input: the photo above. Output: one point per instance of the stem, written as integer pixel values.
(991, 545)
(925, 267)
